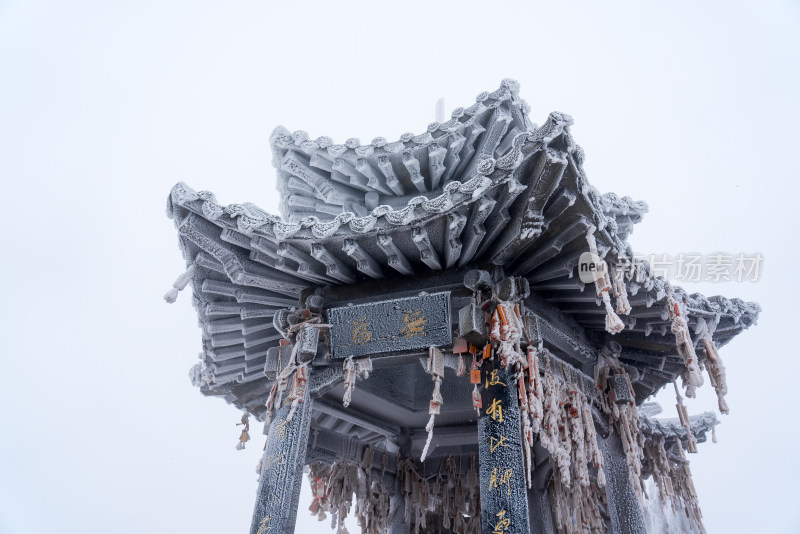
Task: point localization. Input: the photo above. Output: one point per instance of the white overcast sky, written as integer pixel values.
(690, 106)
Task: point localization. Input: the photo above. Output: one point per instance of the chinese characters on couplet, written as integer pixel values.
(503, 523)
(504, 465)
(496, 442)
(263, 528)
(500, 477)
(694, 267)
(280, 428)
(274, 460)
(493, 380)
(496, 410)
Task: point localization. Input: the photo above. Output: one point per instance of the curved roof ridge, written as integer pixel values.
(251, 220)
(508, 91)
(324, 178)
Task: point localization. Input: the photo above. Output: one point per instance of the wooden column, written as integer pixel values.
(397, 521)
(626, 513)
(282, 471)
(397, 511)
(541, 515)
(504, 499)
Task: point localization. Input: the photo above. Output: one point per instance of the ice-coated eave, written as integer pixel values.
(701, 424)
(252, 221)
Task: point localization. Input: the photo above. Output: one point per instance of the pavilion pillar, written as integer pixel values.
(623, 506)
(540, 513)
(504, 498)
(282, 470)
(397, 511)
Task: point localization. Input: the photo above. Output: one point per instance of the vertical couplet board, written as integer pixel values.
(504, 498)
(282, 470)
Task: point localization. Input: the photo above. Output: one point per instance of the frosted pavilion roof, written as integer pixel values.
(487, 187)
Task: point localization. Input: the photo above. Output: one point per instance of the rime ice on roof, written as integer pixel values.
(493, 212)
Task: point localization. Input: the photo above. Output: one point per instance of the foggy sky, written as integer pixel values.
(689, 106)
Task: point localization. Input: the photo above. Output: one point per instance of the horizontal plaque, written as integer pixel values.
(390, 326)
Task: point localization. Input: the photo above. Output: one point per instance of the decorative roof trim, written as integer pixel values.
(282, 138)
(251, 220)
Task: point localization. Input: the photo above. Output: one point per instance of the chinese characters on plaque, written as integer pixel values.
(397, 325)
